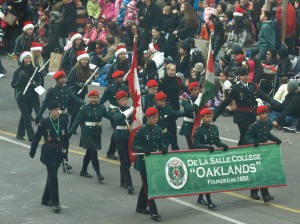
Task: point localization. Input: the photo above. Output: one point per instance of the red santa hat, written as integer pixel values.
(28, 25)
(36, 46)
(120, 49)
(154, 47)
(239, 11)
(81, 55)
(24, 54)
(75, 36)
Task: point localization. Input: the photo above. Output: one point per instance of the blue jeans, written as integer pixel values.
(288, 120)
(260, 53)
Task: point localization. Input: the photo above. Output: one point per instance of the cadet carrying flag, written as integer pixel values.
(209, 86)
(135, 92)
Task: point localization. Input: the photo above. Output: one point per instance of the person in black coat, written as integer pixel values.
(183, 63)
(284, 65)
(158, 37)
(55, 132)
(70, 56)
(150, 15)
(169, 21)
(245, 94)
(69, 18)
(25, 100)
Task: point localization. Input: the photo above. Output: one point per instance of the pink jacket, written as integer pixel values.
(207, 12)
(108, 9)
(98, 36)
(117, 8)
(88, 33)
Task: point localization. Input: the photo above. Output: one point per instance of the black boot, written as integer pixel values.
(85, 174)
(268, 198)
(100, 177)
(57, 208)
(255, 196)
(201, 201)
(130, 189)
(156, 217)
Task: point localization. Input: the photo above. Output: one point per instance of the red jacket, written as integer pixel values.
(290, 29)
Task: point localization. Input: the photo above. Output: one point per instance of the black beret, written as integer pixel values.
(52, 105)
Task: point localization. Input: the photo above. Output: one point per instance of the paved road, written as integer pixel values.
(22, 182)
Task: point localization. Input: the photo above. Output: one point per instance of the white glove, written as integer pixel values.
(197, 101)
(128, 112)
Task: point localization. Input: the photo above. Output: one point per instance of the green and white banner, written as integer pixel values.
(196, 171)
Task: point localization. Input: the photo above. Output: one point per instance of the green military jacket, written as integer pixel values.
(120, 120)
(148, 101)
(147, 139)
(189, 108)
(166, 114)
(90, 117)
(63, 95)
(206, 135)
(260, 132)
(110, 94)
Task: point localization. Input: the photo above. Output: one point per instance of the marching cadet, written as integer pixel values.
(25, 101)
(260, 132)
(148, 99)
(90, 115)
(147, 139)
(63, 95)
(76, 79)
(165, 115)
(110, 95)
(245, 94)
(205, 137)
(190, 106)
(121, 119)
(54, 129)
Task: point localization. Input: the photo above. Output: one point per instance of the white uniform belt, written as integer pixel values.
(112, 106)
(63, 111)
(188, 119)
(87, 123)
(122, 127)
(164, 130)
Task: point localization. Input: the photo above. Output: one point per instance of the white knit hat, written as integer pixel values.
(120, 49)
(27, 25)
(81, 55)
(76, 36)
(24, 54)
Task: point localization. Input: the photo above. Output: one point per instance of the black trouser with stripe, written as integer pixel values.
(91, 155)
(143, 200)
(51, 188)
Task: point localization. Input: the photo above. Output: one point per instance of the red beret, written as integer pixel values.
(93, 93)
(151, 111)
(160, 96)
(261, 109)
(151, 83)
(117, 74)
(59, 74)
(121, 94)
(239, 58)
(192, 85)
(205, 111)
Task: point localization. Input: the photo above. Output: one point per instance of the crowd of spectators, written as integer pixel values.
(242, 34)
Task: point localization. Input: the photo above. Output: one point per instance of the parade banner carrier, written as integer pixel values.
(192, 172)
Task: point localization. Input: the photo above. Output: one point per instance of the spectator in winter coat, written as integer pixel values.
(290, 24)
(99, 32)
(132, 13)
(150, 15)
(69, 24)
(93, 9)
(157, 57)
(183, 63)
(209, 10)
(122, 12)
(169, 21)
(88, 31)
(266, 36)
(284, 64)
(108, 9)
(158, 38)
(217, 38)
(221, 9)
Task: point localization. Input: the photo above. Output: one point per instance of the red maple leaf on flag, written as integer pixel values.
(135, 104)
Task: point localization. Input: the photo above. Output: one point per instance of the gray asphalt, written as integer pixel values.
(22, 182)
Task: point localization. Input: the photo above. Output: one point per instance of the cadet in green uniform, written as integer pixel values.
(63, 95)
(147, 139)
(110, 95)
(260, 132)
(148, 99)
(206, 136)
(121, 117)
(90, 115)
(191, 107)
(165, 115)
(244, 93)
(54, 129)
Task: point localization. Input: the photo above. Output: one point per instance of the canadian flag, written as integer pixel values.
(135, 92)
